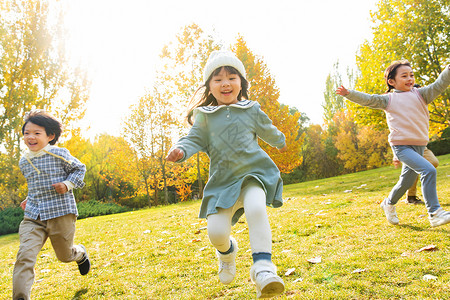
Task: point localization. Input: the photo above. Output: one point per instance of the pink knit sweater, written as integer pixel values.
(408, 119)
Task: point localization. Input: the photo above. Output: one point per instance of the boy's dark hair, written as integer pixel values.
(391, 71)
(207, 99)
(44, 119)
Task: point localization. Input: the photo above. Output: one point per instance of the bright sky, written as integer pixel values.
(118, 42)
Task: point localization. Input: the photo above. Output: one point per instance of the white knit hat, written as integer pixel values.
(221, 58)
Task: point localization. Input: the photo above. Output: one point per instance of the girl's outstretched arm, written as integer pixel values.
(342, 91)
(432, 91)
(175, 155)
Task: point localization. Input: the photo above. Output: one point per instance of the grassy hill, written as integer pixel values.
(164, 252)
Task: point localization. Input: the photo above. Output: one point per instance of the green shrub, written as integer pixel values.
(440, 147)
(94, 208)
(134, 202)
(10, 219)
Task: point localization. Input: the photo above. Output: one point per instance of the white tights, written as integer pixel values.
(253, 200)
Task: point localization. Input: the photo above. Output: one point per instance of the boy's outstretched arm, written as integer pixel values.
(342, 91)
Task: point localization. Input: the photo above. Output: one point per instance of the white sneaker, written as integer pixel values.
(227, 264)
(268, 284)
(439, 217)
(264, 276)
(389, 211)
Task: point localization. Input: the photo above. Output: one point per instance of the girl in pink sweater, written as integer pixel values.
(408, 120)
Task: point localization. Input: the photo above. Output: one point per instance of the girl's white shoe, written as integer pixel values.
(264, 276)
(439, 217)
(227, 264)
(390, 212)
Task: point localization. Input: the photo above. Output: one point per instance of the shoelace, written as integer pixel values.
(263, 275)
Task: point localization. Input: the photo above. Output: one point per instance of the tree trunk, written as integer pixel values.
(199, 178)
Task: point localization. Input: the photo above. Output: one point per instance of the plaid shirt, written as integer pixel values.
(44, 170)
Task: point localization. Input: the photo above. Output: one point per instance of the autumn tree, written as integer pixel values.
(417, 30)
(333, 103)
(360, 148)
(264, 90)
(34, 73)
(148, 129)
(183, 61)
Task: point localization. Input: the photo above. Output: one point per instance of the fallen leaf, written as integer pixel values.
(197, 232)
(428, 277)
(196, 240)
(359, 270)
(427, 248)
(289, 271)
(406, 254)
(315, 260)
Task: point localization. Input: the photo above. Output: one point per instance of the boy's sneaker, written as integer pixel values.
(389, 211)
(84, 265)
(227, 264)
(414, 200)
(439, 217)
(264, 275)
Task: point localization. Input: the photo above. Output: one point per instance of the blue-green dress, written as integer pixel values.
(229, 136)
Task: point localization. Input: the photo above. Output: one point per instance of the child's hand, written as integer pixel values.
(175, 155)
(60, 187)
(342, 91)
(284, 149)
(23, 204)
(396, 163)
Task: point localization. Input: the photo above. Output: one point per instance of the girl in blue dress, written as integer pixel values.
(242, 177)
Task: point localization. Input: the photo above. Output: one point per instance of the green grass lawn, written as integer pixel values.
(164, 252)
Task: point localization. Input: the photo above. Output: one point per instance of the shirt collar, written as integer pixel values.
(32, 154)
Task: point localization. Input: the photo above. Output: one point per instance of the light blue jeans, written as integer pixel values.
(413, 164)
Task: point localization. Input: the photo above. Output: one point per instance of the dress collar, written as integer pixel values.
(243, 104)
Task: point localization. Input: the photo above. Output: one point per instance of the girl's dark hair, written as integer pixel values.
(44, 119)
(207, 98)
(391, 71)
